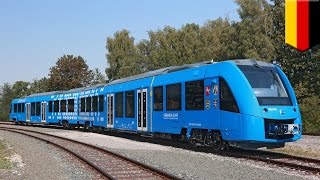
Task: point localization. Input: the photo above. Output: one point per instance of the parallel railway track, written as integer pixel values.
(109, 164)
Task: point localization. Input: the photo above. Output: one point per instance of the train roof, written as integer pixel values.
(160, 72)
(154, 73)
(45, 93)
(184, 67)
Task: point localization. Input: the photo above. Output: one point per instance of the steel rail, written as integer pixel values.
(152, 170)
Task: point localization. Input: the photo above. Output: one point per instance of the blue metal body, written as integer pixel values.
(253, 123)
(17, 116)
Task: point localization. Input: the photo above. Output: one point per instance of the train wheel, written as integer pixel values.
(217, 142)
(86, 125)
(65, 125)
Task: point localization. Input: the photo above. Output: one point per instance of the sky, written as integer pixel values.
(35, 33)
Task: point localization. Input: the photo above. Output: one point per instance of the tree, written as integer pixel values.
(255, 30)
(98, 77)
(69, 72)
(39, 86)
(21, 88)
(123, 56)
(219, 40)
(6, 96)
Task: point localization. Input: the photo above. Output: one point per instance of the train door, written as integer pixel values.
(43, 111)
(211, 106)
(28, 112)
(110, 110)
(229, 111)
(142, 110)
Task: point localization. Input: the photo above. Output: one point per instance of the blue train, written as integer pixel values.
(244, 103)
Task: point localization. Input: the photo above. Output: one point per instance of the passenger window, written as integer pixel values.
(70, 105)
(63, 104)
(95, 104)
(194, 93)
(88, 104)
(15, 108)
(19, 107)
(22, 107)
(56, 106)
(50, 106)
(173, 97)
(130, 104)
(83, 105)
(227, 101)
(38, 109)
(33, 109)
(119, 104)
(158, 98)
(101, 103)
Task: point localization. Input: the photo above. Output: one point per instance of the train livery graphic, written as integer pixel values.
(245, 103)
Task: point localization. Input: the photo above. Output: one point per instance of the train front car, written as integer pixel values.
(268, 109)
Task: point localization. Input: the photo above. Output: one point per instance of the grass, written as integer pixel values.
(4, 154)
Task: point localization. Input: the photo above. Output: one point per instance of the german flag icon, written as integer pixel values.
(302, 23)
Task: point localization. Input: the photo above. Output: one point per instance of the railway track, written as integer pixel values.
(109, 164)
(279, 159)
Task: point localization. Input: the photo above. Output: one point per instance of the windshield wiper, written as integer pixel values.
(273, 76)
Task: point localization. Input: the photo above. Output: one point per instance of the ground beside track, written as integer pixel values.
(307, 146)
(36, 160)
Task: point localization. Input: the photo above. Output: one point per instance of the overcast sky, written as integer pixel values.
(35, 33)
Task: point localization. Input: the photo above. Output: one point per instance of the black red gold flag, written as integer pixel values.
(302, 23)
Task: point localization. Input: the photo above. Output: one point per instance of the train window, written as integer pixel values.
(38, 109)
(227, 101)
(19, 107)
(95, 104)
(63, 104)
(88, 104)
(119, 104)
(15, 108)
(22, 107)
(173, 97)
(56, 106)
(70, 105)
(83, 105)
(50, 106)
(33, 109)
(194, 93)
(130, 104)
(158, 98)
(101, 103)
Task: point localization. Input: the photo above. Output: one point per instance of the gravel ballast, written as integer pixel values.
(34, 159)
(180, 162)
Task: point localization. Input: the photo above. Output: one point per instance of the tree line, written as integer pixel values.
(259, 34)
(68, 73)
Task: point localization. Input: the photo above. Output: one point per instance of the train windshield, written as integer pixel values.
(266, 84)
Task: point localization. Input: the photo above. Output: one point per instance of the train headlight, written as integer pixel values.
(293, 128)
(273, 128)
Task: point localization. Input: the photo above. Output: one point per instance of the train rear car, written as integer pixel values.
(17, 110)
